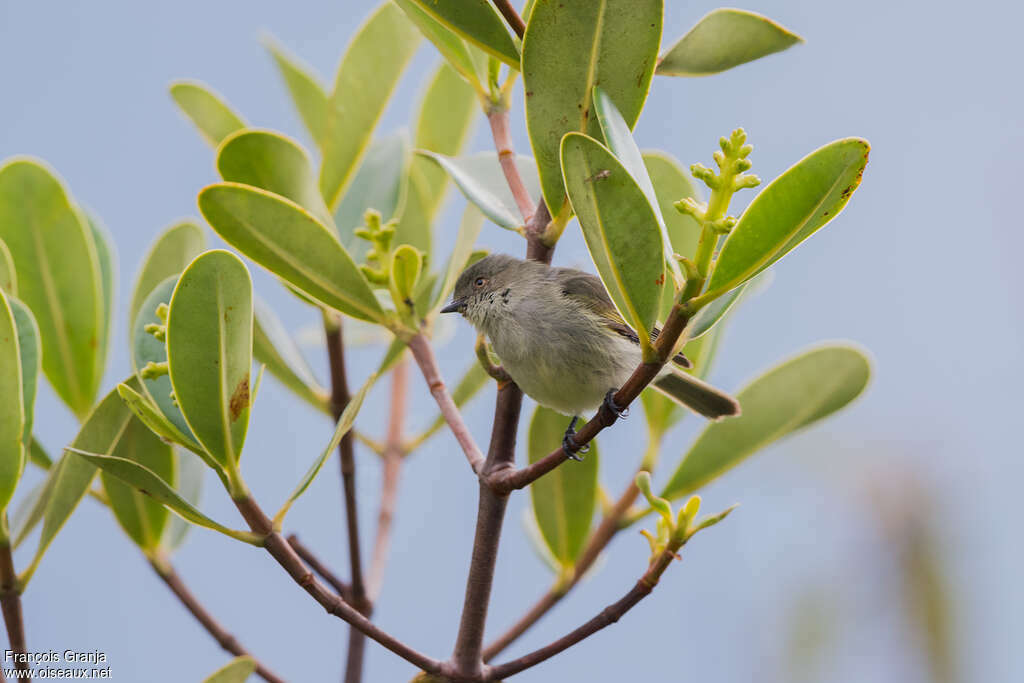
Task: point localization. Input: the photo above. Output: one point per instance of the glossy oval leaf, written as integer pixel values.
(8, 273)
(275, 163)
(564, 499)
(107, 258)
(379, 184)
(172, 250)
(368, 74)
(619, 227)
(344, 424)
(570, 46)
(791, 396)
(725, 38)
(237, 670)
(59, 277)
(31, 352)
(450, 44)
(189, 485)
(479, 22)
(12, 407)
(141, 517)
(480, 179)
(207, 110)
(788, 211)
(274, 347)
(209, 351)
(288, 241)
(308, 96)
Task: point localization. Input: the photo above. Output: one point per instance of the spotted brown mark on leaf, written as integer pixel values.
(661, 280)
(239, 399)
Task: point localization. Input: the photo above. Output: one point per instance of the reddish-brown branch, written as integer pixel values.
(498, 118)
(424, 356)
(286, 556)
(511, 16)
(10, 604)
(227, 641)
(608, 616)
(319, 567)
(339, 399)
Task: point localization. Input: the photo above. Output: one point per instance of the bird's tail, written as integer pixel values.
(698, 396)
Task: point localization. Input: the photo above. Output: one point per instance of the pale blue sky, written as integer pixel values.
(921, 268)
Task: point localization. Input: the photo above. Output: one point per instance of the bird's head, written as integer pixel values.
(486, 284)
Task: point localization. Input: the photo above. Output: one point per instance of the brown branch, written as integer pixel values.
(227, 641)
(339, 399)
(392, 456)
(498, 118)
(10, 603)
(342, 588)
(286, 556)
(511, 16)
(608, 616)
(424, 356)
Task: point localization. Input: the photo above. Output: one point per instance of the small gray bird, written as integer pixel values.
(561, 339)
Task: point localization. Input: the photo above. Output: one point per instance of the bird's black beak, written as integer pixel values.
(456, 306)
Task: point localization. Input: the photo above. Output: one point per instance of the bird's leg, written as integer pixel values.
(569, 443)
(609, 403)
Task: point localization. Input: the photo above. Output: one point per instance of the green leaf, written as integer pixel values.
(272, 162)
(236, 671)
(107, 258)
(142, 518)
(308, 95)
(8, 274)
(30, 351)
(273, 346)
(725, 38)
(59, 277)
(209, 351)
(672, 183)
(620, 229)
(620, 141)
(469, 230)
(207, 110)
(69, 479)
(451, 46)
(345, 422)
(787, 398)
(172, 250)
(190, 486)
(38, 456)
(379, 184)
(12, 407)
(707, 317)
(151, 484)
(788, 211)
(28, 513)
(406, 264)
(570, 46)
(369, 72)
(479, 22)
(288, 241)
(143, 408)
(563, 500)
(482, 182)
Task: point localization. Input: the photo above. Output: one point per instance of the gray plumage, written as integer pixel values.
(561, 339)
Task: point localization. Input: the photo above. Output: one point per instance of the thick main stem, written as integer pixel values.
(339, 399)
(10, 602)
(225, 639)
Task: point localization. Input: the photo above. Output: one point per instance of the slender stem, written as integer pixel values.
(497, 116)
(286, 556)
(342, 588)
(393, 457)
(424, 356)
(227, 641)
(339, 399)
(10, 602)
(608, 616)
(511, 16)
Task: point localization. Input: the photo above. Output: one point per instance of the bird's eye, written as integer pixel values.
(479, 282)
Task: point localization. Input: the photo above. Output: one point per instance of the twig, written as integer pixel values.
(392, 456)
(281, 551)
(424, 356)
(497, 116)
(10, 602)
(511, 16)
(339, 399)
(319, 567)
(608, 616)
(227, 641)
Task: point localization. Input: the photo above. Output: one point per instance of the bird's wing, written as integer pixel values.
(589, 291)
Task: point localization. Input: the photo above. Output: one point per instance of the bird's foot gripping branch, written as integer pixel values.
(351, 228)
